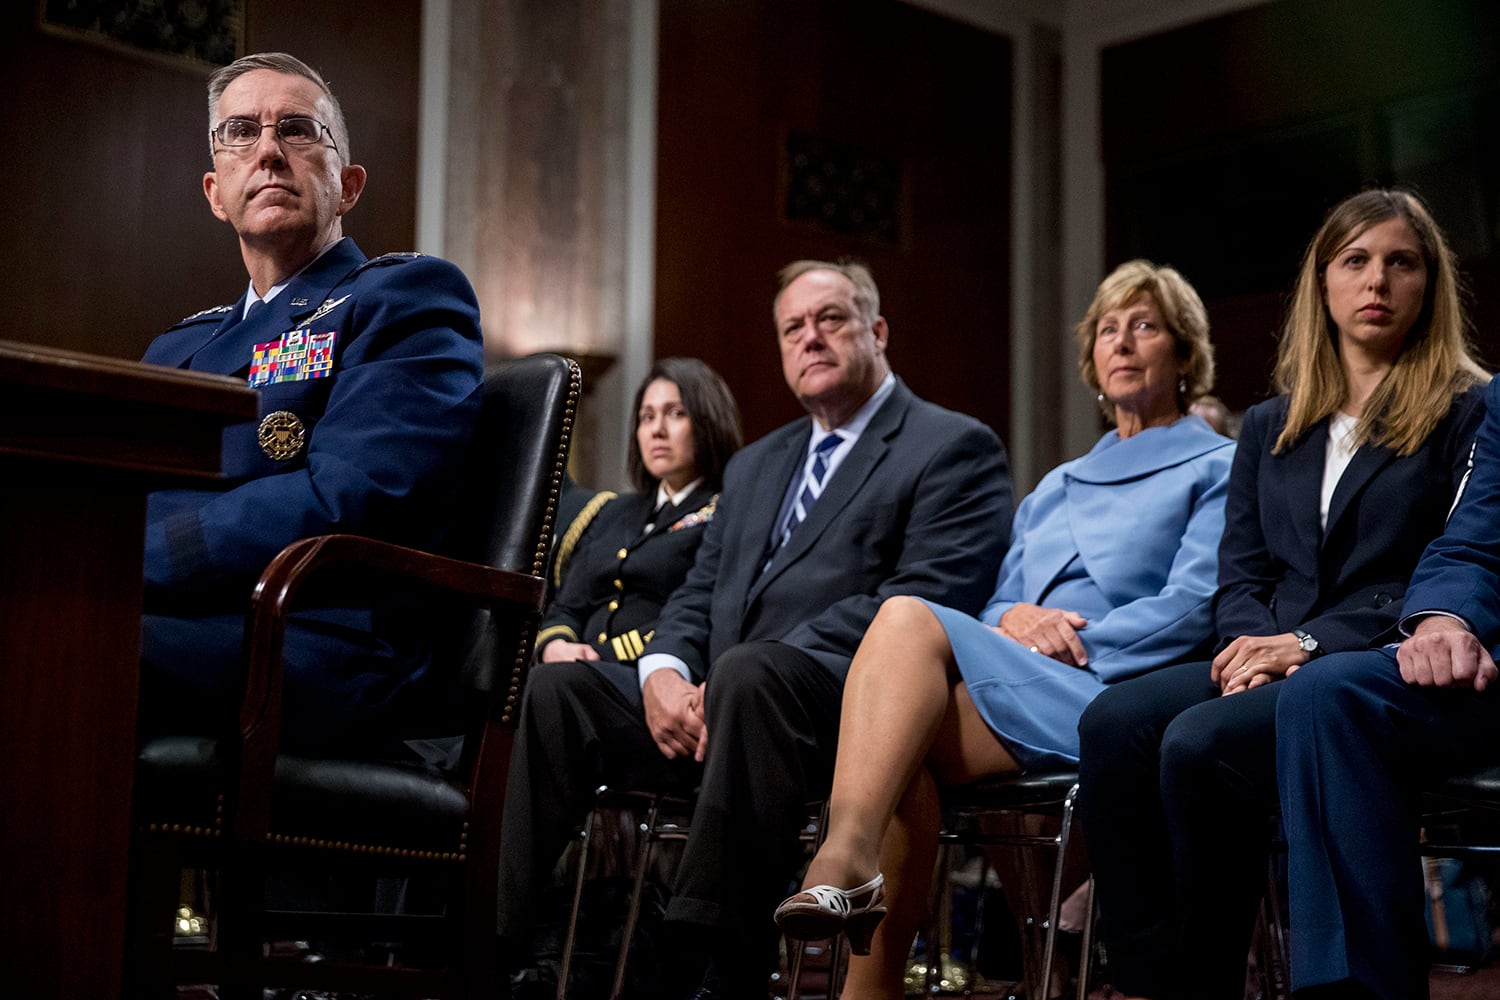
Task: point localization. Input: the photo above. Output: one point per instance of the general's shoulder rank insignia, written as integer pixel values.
(282, 435)
(216, 313)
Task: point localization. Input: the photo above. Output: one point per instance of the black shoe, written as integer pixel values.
(709, 988)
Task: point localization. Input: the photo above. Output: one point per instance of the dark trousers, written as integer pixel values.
(1177, 786)
(346, 691)
(578, 730)
(772, 714)
(1355, 745)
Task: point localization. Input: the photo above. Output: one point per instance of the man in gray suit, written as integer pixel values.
(877, 493)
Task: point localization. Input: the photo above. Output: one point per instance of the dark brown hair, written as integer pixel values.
(712, 409)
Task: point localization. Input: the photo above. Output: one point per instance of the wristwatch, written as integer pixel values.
(1307, 642)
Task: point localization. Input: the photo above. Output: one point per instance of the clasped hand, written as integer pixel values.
(1442, 653)
(562, 651)
(1252, 660)
(1050, 631)
(674, 714)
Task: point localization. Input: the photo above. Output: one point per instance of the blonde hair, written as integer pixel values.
(1435, 362)
(1182, 311)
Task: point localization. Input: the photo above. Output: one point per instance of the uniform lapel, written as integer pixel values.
(695, 500)
(191, 342)
(303, 296)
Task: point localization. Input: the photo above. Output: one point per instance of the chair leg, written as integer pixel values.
(1282, 963)
(942, 900)
(241, 943)
(149, 932)
(572, 936)
(981, 891)
(1049, 950)
(1086, 950)
(632, 915)
(794, 977)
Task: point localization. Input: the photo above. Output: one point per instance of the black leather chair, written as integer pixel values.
(1461, 819)
(240, 808)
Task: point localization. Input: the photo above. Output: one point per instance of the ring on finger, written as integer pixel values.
(1035, 650)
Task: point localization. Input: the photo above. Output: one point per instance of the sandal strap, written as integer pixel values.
(841, 901)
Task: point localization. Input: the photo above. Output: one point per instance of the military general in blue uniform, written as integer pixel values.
(368, 373)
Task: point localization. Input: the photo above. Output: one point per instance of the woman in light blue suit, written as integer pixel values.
(1110, 573)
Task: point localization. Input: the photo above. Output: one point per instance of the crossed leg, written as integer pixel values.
(908, 726)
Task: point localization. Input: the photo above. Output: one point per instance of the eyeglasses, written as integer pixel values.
(294, 131)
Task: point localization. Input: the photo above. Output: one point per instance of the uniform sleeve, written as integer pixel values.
(570, 608)
(381, 459)
(1460, 571)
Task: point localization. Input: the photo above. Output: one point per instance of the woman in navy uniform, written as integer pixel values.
(637, 550)
(640, 546)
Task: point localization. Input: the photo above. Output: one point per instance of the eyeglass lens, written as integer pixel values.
(245, 131)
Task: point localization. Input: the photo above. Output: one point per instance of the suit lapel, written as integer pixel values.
(1303, 492)
(1366, 462)
(762, 509)
(847, 482)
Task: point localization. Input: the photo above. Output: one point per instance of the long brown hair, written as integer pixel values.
(1436, 362)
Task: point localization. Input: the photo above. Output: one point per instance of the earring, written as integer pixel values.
(1100, 397)
(1182, 387)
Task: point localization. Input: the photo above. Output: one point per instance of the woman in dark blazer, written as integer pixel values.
(640, 546)
(1337, 486)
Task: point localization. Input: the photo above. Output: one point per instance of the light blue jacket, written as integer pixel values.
(1126, 536)
(1144, 516)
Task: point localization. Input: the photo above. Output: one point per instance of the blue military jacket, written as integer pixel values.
(368, 373)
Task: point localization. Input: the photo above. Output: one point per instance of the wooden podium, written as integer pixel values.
(83, 439)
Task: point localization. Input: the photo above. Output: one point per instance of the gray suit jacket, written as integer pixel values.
(920, 506)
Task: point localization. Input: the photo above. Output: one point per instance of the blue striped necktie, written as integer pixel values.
(812, 485)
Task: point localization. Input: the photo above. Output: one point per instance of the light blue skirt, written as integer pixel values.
(1031, 702)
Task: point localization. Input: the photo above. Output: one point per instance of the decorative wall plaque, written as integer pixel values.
(196, 33)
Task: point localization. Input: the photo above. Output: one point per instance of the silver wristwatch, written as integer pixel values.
(1307, 642)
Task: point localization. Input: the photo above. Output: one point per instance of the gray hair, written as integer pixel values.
(866, 295)
(277, 62)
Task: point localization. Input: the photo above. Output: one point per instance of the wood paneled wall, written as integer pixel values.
(869, 77)
(1226, 141)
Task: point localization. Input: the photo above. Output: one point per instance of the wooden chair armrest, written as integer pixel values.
(273, 600)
